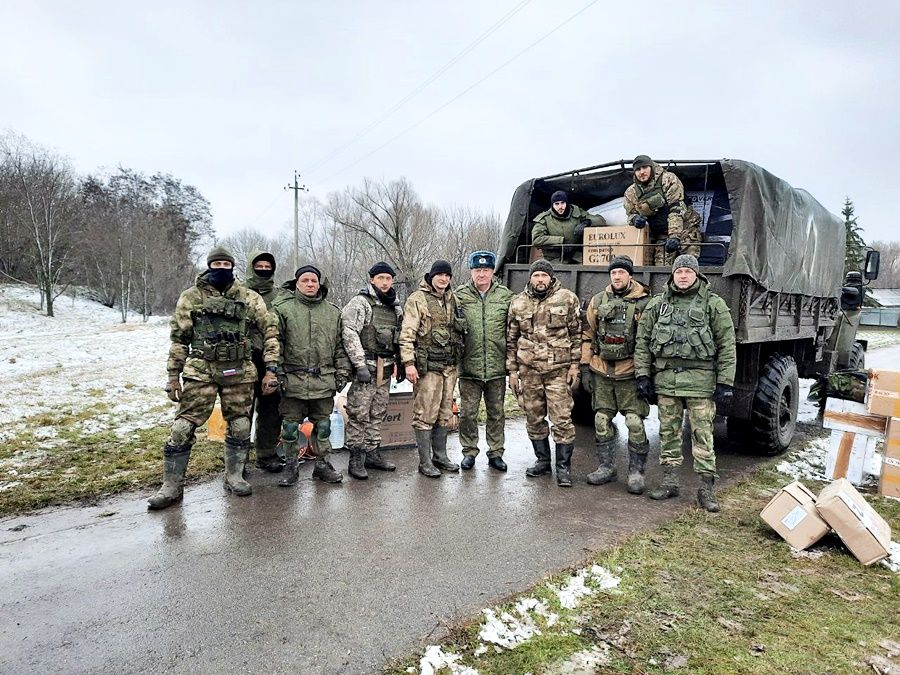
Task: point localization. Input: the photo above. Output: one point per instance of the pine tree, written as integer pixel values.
(856, 247)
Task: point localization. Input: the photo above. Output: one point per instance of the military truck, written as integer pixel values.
(774, 254)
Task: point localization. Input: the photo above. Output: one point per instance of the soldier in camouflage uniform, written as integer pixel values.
(482, 370)
(559, 231)
(430, 341)
(607, 372)
(685, 356)
(261, 278)
(656, 198)
(371, 329)
(543, 349)
(314, 366)
(211, 353)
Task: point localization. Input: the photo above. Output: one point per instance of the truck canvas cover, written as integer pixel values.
(781, 237)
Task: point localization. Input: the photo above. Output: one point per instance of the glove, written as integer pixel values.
(514, 383)
(724, 394)
(673, 245)
(587, 381)
(269, 383)
(568, 252)
(340, 380)
(173, 388)
(640, 222)
(572, 377)
(645, 389)
(363, 375)
(399, 372)
(579, 228)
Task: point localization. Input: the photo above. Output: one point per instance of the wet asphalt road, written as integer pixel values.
(315, 579)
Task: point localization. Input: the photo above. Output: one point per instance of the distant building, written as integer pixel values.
(886, 310)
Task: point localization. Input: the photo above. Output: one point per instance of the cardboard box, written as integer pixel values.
(396, 430)
(859, 526)
(602, 244)
(792, 514)
(853, 417)
(889, 484)
(883, 393)
(848, 455)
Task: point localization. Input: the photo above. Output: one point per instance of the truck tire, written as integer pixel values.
(857, 358)
(774, 415)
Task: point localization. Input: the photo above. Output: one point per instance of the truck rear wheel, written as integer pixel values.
(857, 358)
(774, 415)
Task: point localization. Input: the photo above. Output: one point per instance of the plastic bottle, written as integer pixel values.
(337, 430)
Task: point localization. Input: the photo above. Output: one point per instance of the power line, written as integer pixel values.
(481, 38)
(460, 94)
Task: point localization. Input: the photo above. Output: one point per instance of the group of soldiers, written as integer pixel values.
(287, 351)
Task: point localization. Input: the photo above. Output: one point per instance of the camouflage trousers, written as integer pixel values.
(543, 394)
(433, 399)
(701, 413)
(366, 408)
(691, 235)
(196, 405)
(470, 394)
(268, 419)
(318, 410)
(618, 396)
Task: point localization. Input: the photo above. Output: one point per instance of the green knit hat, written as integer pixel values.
(219, 253)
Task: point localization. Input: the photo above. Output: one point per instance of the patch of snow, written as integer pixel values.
(577, 587)
(584, 662)
(9, 485)
(807, 463)
(811, 554)
(436, 658)
(892, 562)
(507, 631)
(807, 411)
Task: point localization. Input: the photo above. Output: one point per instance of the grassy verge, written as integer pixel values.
(86, 467)
(879, 336)
(710, 594)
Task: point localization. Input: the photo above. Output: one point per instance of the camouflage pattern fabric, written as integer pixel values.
(701, 414)
(612, 307)
(433, 399)
(661, 200)
(318, 410)
(199, 398)
(551, 231)
(845, 384)
(366, 408)
(470, 394)
(544, 333)
(484, 348)
(613, 396)
(543, 394)
(420, 323)
(193, 367)
(356, 314)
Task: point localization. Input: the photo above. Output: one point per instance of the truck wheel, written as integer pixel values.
(774, 415)
(857, 358)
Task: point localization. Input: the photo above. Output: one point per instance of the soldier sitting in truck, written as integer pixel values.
(559, 231)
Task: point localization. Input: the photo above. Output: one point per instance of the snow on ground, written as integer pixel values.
(807, 463)
(436, 659)
(577, 586)
(892, 562)
(82, 359)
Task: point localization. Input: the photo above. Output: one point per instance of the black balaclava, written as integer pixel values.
(220, 278)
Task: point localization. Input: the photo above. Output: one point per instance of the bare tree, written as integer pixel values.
(467, 230)
(244, 242)
(889, 275)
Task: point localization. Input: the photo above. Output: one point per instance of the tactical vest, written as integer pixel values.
(442, 345)
(616, 328)
(379, 337)
(220, 330)
(682, 330)
(652, 204)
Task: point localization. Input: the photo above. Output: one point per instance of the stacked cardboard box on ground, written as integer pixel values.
(883, 398)
(854, 434)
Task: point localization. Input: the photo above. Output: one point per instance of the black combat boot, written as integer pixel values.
(439, 450)
(290, 445)
(668, 487)
(374, 460)
(542, 452)
(267, 459)
(705, 495)
(324, 471)
(235, 458)
(468, 460)
(356, 467)
(423, 441)
(564, 464)
(496, 462)
(175, 461)
(637, 462)
(606, 456)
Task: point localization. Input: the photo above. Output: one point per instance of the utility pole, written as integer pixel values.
(296, 187)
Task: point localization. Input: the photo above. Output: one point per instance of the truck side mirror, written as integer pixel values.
(873, 263)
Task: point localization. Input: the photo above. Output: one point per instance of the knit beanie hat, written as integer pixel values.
(541, 265)
(381, 268)
(686, 260)
(641, 160)
(219, 253)
(308, 268)
(559, 196)
(622, 262)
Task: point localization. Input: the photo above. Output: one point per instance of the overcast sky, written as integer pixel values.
(232, 97)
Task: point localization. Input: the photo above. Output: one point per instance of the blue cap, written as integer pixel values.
(480, 259)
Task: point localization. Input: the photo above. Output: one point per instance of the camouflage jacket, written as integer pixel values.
(484, 345)
(267, 291)
(661, 201)
(686, 341)
(418, 322)
(355, 316)
(190, 365)
(551, 231)
(611, 313)
(313, 361)
(543, 334)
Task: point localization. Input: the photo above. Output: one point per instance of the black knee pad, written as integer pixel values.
(290, 431)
